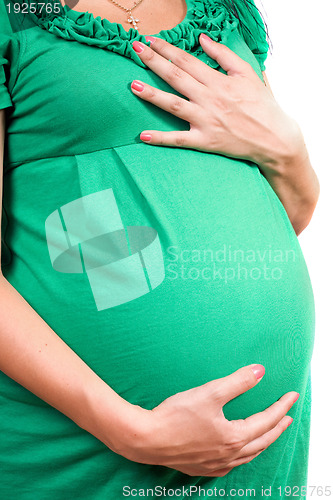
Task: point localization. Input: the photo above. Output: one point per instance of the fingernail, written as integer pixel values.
(258, 370)
(206, 37)
(291, 421)
(150, 39)
(136, 85)
(138, 46)
(296, 398)
(145, 137)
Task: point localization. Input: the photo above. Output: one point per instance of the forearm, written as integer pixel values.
(33, 355)
(293, 178)
(296, 184)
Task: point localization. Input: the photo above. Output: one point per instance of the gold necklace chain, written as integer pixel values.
(130, 19)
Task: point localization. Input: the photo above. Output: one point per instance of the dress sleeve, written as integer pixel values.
(6, 36)
(252, 28)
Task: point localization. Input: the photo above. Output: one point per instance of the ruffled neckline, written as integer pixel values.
(203, 16)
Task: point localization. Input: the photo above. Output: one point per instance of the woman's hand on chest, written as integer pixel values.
(233, 114)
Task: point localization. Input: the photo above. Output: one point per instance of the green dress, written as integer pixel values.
(162, 268)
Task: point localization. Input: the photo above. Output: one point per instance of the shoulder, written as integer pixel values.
(5, 26)
(10, 43)
(252, 27)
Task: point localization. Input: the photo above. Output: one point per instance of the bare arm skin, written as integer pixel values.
(295, 182)
(51, 370)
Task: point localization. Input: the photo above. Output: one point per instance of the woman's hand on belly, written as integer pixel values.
(233, 114)
(188, 431)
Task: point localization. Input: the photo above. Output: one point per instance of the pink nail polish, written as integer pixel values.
(258, 370)
(136, 85)
(206, 37)
(150, 39)
(138, 46)
(291, 421)
(296, 398)
(145, 137)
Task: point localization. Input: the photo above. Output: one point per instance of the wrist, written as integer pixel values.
(296, 184)
(298, 177)
(286, 152)
(121, 426)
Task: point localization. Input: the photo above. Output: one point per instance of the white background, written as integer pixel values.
(299, 70)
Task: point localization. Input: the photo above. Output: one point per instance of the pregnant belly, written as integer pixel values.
(226, 282)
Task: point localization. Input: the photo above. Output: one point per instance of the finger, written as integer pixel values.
(172, 103)
(244, 460)
(187, 62)
(180, 139)
(262, 422)
(226, 388)
(260, 444)
(178, 79)
(253, 449)
(227, 59)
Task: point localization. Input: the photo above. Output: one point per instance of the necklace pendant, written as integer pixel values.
(133, 21)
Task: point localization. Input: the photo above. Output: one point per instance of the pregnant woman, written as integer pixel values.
(157, 318)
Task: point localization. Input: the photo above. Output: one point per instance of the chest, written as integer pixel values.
(77, 97)
(150, 17)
